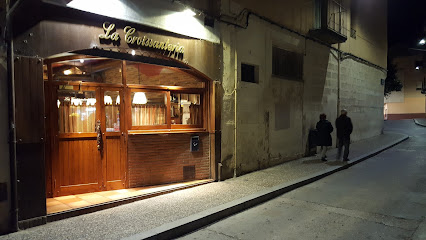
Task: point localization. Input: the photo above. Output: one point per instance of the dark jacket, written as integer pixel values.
(324, 128)
(344, 127)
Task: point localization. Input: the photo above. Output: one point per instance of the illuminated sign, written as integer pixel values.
(131, 39)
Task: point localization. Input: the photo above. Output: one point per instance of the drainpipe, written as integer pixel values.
(235, 109)
(339, 57)
(11, 110)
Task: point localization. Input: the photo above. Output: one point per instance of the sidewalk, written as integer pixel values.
(170, 215)
(420, 122)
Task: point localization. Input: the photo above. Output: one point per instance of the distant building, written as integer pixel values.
(122, 94)
(410, 102)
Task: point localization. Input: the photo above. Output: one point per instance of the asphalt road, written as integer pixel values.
(383, 197)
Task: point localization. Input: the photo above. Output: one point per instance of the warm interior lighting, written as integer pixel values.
(91, 101)
(189, 12)
(58, 103)
(107, 100)
(133, 52)
(67, 72)
(140, 98)
(82, 60)
(76, 101)
(117, 101)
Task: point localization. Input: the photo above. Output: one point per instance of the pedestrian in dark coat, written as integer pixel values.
(324, 129)
(344, 129)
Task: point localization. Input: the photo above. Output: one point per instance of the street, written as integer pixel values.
(383, 197)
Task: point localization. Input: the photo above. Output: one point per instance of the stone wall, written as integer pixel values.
(272, 118)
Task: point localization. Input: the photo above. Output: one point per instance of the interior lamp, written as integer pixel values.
(139, 98)
(117, 101)
(107, 100)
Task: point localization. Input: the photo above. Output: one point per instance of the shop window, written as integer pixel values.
(88, 70)
(185, 109)
(112, 110)
(148, 108)
(286, 64)
(249, 73)
(76, 110)
(154, 75)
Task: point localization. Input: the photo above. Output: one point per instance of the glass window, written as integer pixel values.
(154, 75)
(97, 70)
(77, 110)
(112, 111)
(185, 109)
(148, 108)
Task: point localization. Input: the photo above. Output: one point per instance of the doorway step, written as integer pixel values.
(73, 205)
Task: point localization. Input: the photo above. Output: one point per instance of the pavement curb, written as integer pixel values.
(191, 223)
(419, 123)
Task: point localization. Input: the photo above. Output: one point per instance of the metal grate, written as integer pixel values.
(286, 64)
(189, 172)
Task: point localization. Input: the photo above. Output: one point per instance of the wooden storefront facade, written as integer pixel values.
(103, 114)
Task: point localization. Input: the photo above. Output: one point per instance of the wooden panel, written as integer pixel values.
(114, 164)
(79, 163)
(29, 99)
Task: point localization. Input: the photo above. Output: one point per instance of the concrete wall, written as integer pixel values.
(251, 126)
(368, 18)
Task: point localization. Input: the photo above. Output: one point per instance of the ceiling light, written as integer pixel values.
(133, 52)
(117, 101)
(189, 12)
(67, 72)
(82, 60)
(140, 98)
(107, 100)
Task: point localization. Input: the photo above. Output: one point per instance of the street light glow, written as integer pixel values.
(422, 42)
(417, 67)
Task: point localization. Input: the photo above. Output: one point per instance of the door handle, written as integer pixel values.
(98, 135)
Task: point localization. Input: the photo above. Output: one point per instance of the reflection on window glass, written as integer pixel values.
(154, 75)
(77, 111)
(97, 70)
(112, 111)
(185, 109)
(148, 108)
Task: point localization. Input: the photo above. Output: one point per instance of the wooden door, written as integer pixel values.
(88, 160)
(114, 164)
(77, 167)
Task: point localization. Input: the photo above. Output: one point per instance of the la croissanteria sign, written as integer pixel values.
(129, 37)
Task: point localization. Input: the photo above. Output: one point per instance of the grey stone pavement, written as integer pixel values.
(381, 198)
(147, 217)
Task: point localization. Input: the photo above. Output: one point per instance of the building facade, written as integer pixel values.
(122, 94)
(410, 102)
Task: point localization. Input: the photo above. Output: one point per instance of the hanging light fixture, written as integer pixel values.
(107, 100)
(117, 101)
(140, 98)
(91, 101)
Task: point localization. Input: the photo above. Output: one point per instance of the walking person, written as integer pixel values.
(324, 129)
(344, 129)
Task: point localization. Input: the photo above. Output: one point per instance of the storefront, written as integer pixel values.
(106, 106)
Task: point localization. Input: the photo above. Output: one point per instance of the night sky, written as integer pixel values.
(406, 22)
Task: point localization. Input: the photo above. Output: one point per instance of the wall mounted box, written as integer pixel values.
(195, 143)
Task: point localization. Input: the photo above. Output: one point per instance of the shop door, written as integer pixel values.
(89, 143)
